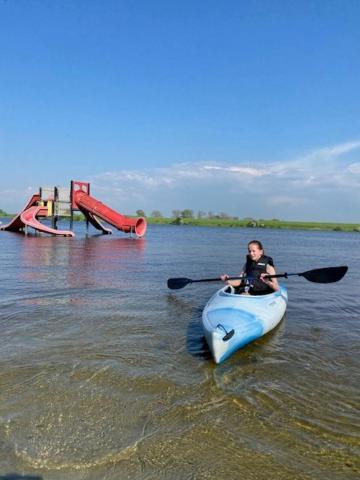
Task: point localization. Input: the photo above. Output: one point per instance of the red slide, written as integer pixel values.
(16, 224)
(95, 222)
(87, 204)
(27, 217)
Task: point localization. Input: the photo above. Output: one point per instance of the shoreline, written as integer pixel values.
(242, 223)
(266, 224)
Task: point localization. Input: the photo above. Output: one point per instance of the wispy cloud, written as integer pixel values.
(240, 170)
(304, 187)
(322, 184)
(354, 168)
(330, 153)
(287, 200)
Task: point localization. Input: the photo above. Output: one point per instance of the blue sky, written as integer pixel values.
(249, 108)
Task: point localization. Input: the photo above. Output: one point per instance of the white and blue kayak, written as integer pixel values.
(231, 321)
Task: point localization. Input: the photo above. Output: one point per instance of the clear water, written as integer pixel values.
(105, 374)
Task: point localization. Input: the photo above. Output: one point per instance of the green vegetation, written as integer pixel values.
(78, 217)
(252, 223)
(187, 217)
(210, 219)
(4, 214)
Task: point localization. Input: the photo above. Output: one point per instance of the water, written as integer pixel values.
(105, 374)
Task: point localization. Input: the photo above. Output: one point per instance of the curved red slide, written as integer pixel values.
(16, 223)
(85, 203)
(27, 217)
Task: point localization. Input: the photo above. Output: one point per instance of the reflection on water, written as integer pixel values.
(106, 374)
(15, 476)
(64, 268)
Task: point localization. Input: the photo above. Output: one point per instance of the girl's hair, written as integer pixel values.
(256, 242)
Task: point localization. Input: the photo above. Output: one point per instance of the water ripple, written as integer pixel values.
(104, 373)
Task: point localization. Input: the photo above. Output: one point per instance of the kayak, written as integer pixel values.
(231, 321)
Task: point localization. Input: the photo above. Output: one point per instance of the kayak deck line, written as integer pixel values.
(228, 335)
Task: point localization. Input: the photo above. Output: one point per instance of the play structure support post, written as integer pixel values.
(53, 216)
(87, 218)
(71, 207)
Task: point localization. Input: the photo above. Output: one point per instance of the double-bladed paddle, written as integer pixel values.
(318, 275)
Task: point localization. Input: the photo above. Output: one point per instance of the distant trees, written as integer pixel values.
(201, 214)
(221, 215)
(156, 214)
(187, 213)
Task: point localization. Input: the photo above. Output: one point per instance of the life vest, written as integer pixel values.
(255, 269)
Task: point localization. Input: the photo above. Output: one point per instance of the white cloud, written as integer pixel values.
(354, 168)
(329, 153)
(288, 188)
(306, 187)
(241, 170)
(287, 200)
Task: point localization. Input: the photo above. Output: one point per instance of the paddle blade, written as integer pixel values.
(325, 275)
(177, 283)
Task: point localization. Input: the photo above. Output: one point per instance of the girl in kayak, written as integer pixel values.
(257, 266)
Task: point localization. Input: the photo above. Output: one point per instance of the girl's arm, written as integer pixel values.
(234, 283)
(272, 282)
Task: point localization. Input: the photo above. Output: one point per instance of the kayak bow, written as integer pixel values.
(231, 321)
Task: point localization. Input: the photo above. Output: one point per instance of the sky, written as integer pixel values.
(251, 108)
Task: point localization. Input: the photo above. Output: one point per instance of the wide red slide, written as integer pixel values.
(27, 218)
(87, 204)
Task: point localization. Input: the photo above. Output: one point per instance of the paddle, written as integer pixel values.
(318, 275)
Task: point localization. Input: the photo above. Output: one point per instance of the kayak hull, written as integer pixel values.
(231, 321)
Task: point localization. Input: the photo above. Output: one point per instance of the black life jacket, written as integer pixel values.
(255, 269)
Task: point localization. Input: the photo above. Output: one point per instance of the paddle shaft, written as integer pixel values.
(218, 279)
(244, 277)
(318, 275)
(333, 274)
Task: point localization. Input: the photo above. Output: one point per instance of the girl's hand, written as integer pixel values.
(264, 278)
(271, 282)
(224, 277)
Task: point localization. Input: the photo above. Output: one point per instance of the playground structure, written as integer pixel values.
(59, 202)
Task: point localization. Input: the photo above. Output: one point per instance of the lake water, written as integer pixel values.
(105, 374)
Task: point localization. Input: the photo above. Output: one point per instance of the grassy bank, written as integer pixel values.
(243, 223)
(246, 223)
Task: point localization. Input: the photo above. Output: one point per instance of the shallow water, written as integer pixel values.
(105, 372)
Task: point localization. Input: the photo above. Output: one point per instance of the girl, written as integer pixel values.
(257, 266)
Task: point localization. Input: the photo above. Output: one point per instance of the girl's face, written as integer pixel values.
(255, 252)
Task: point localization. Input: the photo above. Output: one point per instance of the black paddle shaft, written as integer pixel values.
(177, 283)
(319, 275)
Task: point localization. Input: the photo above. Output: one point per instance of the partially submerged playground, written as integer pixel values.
(60, 202)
